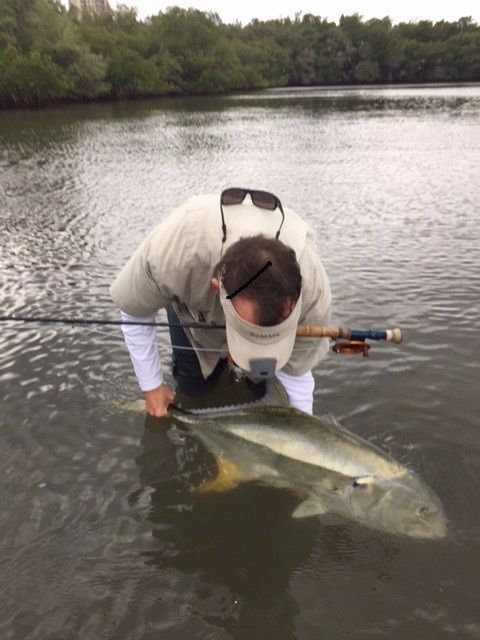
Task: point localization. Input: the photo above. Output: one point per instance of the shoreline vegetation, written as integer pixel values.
(50, 55)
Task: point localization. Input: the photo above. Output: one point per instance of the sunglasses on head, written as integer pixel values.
(261, 199)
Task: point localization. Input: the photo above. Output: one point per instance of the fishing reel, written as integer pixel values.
(356, 340)
(351, 348)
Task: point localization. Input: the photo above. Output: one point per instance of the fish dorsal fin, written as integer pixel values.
(309, 507)
(228, 477)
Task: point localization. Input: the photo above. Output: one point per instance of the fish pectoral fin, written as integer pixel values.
(363, 481)
(310, 507)
(228, 477)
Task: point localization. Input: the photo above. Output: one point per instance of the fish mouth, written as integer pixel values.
(433, 528)
(428, 530)
(436, 532)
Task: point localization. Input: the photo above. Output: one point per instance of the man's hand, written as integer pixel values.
(157, 400)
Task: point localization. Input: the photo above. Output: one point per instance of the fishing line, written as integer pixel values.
(355, 339)
(99, 321)
(225, 351)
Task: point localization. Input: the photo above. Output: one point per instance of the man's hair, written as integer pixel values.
(274, 288)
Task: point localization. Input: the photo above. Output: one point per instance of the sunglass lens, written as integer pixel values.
(233, 196)
(264, 200)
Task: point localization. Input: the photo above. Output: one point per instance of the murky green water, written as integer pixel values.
(100, 537)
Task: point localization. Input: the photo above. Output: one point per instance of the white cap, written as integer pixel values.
(247, 341)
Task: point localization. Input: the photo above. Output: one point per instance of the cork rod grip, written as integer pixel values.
(345, 333)
(319, 332)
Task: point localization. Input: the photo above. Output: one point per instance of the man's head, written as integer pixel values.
(271, 300)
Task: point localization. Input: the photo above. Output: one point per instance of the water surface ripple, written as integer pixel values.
(100, 535)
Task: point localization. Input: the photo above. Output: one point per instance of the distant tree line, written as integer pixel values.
(49, 54)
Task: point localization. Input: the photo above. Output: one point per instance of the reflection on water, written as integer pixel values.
(241, 547)
(100, 533)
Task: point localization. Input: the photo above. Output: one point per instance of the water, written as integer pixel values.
(100, 536)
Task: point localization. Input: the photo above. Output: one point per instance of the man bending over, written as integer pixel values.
(237, 259)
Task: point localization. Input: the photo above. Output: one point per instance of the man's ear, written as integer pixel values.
(288, 307)
(216, 285)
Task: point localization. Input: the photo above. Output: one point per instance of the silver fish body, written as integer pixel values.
(337, 471)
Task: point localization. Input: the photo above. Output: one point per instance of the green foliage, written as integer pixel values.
(264, 63)
(55, 36)
(50, 54)
(8, 24)
(129, 74)
(206, 61)
(30, 78)
(367, 71)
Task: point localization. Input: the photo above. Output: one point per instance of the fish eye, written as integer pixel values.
(423, 510)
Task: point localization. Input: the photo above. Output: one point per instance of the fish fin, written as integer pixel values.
(330, 519)
(309, 507)
(363, 481)
(275, 395)
(228, 477)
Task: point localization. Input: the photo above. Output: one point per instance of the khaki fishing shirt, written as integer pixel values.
(175, 265)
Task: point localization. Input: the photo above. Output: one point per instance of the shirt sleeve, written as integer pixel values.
(158, 270)
(317, 301)
(299, 389)
(141, 345)
(134, 290)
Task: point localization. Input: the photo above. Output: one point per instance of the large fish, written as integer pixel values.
(335, 471)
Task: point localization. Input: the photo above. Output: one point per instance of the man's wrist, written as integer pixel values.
(151, 384)
(149, 391)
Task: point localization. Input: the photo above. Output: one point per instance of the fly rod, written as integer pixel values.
(354, 338)
(345, 333)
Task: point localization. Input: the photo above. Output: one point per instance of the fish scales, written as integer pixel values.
(313, 442)
(338, 472)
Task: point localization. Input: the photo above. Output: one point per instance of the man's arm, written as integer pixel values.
(140, 341)
(297, 376)
(141, 345)
(148, 282)
(299, 389)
